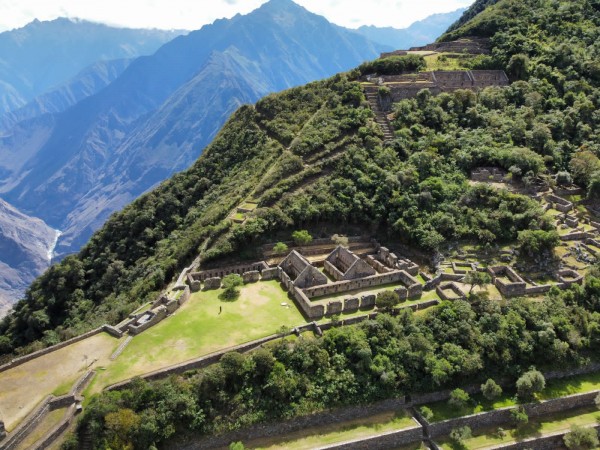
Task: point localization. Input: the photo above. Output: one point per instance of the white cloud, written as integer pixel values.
(192, 14)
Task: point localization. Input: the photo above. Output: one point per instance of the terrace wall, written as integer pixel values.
(222, 271)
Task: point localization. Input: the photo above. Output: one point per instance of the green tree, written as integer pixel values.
(458, 398)
(530, 383)
(460, 435)
(237, 446)
(476, 278)
(518, 416)
(386, 300)
(230, 284)
(280, 248)
(426, 412)
(536, 242)
(491, 390)
(302, 237)
(581, 438)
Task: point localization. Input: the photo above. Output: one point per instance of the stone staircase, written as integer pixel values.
(380, 115)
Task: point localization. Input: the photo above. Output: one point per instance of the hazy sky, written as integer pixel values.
(192, 14)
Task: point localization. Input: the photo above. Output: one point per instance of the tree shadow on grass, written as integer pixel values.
(229, 296)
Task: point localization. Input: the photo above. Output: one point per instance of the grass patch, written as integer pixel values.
(204, 324)
(314, 437)
(448, 61)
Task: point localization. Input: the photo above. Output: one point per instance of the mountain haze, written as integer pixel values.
(109, 148)
(43, 55)
(419, 33)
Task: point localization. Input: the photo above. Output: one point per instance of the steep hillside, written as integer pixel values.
(26, 246)
(314, 154)
(419, 33)
(42, 55)
(86, 83)
(103, 151)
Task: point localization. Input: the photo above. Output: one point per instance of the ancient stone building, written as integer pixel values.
(342, 264)
(301, 272)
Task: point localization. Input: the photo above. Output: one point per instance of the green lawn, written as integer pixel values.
(314, 437)
(535, 428)
(434, 63)
(250, 206)
(199, 328)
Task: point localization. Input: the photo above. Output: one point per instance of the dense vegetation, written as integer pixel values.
(314, 154)
(377, 359)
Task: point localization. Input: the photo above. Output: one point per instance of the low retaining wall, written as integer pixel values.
(383, 441)
(548, 442)
(57, 431)
(332, 416)
(23, 359)
(27, 425)
(502, 416)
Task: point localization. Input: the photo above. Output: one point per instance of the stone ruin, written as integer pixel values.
(490, 174)
(301, 273)
(508, 282)
(450, 291)
(342, 264)
(559, 203)
(469, 45)
(408, 85)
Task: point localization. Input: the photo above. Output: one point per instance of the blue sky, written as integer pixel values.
(192, 14)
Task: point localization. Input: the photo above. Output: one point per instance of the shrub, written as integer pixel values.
(231, 283)
(460, 435)
(280, 248)
(519, 416)
(581, 438)
(426, 412)
(387, 300)
(302, 237)
(530, 383)
(491, 390)
(458, 398)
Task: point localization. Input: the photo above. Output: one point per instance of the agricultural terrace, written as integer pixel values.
(24, 386)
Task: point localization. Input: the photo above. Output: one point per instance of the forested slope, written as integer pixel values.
(314, 154)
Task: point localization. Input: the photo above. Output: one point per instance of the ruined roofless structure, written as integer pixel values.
(302, 273)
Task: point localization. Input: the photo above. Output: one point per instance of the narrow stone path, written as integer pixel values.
(120, 348)
(371, 92)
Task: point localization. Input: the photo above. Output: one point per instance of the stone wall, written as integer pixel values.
(251, 276)
(27, 425)
(577, 236)
(362, 283)
(502, 416)
(382, 441)
(270, 274)
(515, 286)
(212, 283)
(23, 359)
(450, 291)
(559, 203)
(156, 315)
(546, 442)
(222, 271)
(328, 417)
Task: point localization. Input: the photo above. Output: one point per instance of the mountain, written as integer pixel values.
(26, 245)
(43, 55)
(86, 83)
(109, 148)
(314, 157)
(419, 33)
